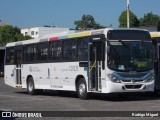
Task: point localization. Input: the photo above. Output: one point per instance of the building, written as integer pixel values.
(38, 32)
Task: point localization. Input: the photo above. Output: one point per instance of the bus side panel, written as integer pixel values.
(37, 71)
(42, 75)
(10, 75)
(56, 76)
(103, 81)
(64, 75)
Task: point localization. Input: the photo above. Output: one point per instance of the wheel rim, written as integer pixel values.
(30, 86)
(82, 89)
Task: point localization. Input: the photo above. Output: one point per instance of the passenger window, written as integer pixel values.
(73, 48)
(55, 51)
(83, 48)
(30, 53)
(42, 51)
(66, 55)
(70, 49)
(10, 55)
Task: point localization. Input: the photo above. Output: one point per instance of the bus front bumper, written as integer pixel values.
(131, 87)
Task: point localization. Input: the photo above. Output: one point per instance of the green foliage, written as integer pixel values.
(134, 22)
(149, 19)
(9, 33)
(87, 23)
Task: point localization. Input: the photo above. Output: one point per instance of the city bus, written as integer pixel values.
(110, 60)
(156, 42)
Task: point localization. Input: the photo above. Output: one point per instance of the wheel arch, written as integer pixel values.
(31, 85)
(77, 79)
(28, 78)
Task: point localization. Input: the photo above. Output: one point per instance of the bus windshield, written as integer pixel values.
(130, 55)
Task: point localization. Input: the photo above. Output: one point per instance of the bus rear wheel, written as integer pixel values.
(30, 86)
(82, 89)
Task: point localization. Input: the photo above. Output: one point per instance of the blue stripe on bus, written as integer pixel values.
(62, 37)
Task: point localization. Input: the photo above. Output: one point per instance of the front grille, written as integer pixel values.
(127, 75)
(133, 86)
(126, 80)
(131, 81)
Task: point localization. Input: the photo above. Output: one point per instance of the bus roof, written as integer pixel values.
(155, 34)
(64, 35)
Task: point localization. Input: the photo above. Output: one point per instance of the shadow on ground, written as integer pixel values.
(116, 97)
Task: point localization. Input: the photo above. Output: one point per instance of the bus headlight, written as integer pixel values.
(150, 78)
(114, 78)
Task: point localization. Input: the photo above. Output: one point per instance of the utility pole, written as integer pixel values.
(128, 23)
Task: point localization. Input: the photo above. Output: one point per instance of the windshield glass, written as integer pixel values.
(130, 55)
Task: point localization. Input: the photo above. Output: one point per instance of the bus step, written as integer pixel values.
(92, 89)
(18, 86)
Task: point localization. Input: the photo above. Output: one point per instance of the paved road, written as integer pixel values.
(12, 99)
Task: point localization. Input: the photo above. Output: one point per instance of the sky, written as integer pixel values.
(63, 13)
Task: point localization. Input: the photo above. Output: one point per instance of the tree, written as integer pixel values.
(87, 23)
(134, 22)
(149, 19)
(9, 33)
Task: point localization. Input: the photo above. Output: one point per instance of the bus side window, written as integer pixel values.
(69, 49)
(30, 53)
(55, 49)
(83, 48)
(73, 47)
(24, 52)
(10, 55)
(42, 51)
(66, 50)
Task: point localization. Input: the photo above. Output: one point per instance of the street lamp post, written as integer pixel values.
(128, 24)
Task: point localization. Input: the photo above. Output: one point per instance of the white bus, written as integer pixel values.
(102, 61)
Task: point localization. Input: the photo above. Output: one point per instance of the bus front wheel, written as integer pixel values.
(82, 89)
(30, 86)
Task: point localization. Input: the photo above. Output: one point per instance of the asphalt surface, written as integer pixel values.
(12, 99)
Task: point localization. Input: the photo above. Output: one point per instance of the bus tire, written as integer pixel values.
(30, 86)
(82, 89)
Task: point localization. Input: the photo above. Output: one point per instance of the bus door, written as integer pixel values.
(96, 65)
(18, 62)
